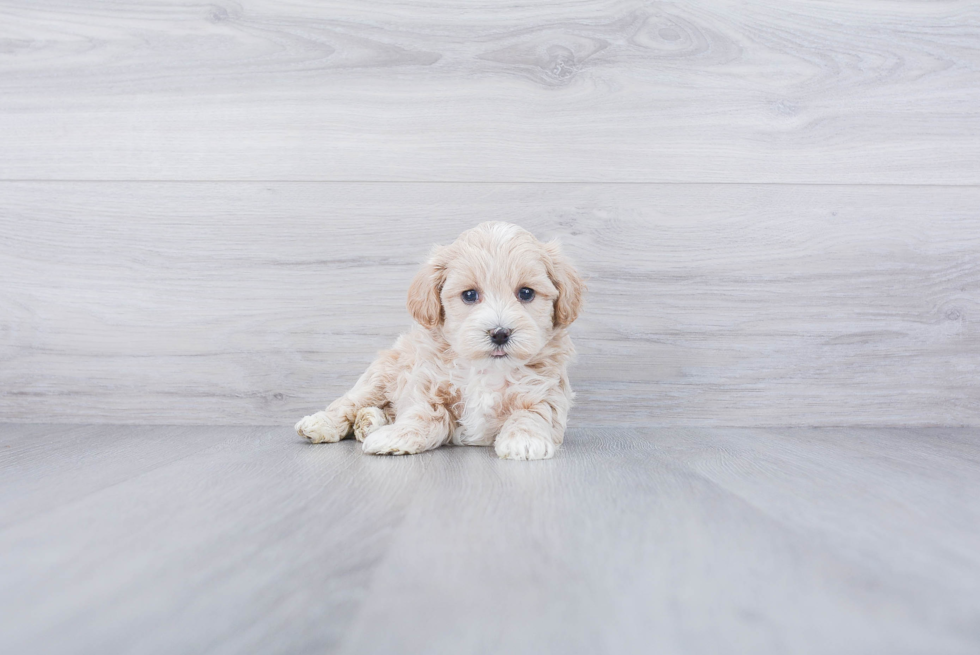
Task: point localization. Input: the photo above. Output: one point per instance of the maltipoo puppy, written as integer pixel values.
(486, 362)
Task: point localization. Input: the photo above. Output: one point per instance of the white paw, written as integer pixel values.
(518, 443)
(322, 428)
(368, 420)
(394, 440)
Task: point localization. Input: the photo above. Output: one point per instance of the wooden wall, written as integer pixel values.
(210, 213)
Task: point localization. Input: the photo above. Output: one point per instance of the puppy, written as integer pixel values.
(486, 362)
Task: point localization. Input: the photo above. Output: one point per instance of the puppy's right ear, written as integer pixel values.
(424, 303)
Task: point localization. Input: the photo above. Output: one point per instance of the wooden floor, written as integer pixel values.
(246, 540)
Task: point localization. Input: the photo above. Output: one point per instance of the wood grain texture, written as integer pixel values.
(589, 90)
(253, 543)
(690, 541)
(631, 541)
(242, 303)
(84, 460)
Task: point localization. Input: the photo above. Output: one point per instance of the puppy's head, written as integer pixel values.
(496, 293)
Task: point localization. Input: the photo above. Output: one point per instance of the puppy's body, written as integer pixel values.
(486, 364)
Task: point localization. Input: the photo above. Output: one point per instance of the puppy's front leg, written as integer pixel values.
(416, 429)
(529, 435)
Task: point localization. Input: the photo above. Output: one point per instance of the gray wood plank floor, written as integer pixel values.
(685, 540)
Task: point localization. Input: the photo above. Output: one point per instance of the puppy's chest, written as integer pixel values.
(485, 395)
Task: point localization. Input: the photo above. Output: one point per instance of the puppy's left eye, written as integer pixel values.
(526, 294)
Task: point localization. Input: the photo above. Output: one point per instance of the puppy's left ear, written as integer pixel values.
(424, 303)
(570, 286)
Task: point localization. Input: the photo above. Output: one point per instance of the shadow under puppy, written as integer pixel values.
(486, 363)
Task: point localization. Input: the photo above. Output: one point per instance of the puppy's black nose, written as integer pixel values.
(499, 335)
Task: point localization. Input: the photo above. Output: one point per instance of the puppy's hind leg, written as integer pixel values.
(337, 421)
(329, 426)
(368, 420)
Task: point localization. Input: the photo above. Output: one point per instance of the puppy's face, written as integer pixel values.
(497, 293)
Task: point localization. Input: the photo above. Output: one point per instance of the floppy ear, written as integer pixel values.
(423, 294)
(570, 286)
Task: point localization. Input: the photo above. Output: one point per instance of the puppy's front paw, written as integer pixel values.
(368, 420)
(395, 440)
(520, 443)
(322, 427)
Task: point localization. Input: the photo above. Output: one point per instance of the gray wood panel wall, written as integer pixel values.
(210, 213)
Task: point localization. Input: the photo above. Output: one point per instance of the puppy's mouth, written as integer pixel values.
(498, 352)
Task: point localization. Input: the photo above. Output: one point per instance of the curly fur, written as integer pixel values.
(445, 381)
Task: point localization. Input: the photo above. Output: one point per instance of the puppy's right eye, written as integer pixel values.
(470, 296)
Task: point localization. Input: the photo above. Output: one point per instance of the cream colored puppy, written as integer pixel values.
(486, 362)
